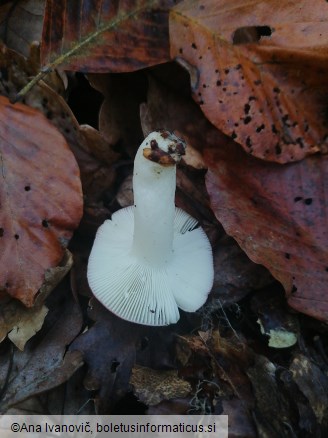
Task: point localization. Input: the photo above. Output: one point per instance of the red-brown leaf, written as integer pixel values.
(259, 71)
(40, 199)
(126, 45)
(278, 215)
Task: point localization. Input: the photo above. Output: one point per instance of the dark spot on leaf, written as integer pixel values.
(224, 89)
(276, 90)
(1, 232)
(248, 142)
(258, 82)
(247, 120)
(251, 98)
(16, 236)
(226, 71)
(114, 365)
(326, 269)
(294, 289)
(278, 149)
(285, 118)
(204, 85)
(233, 135)
(27, 188)
(218, 83)
(194, 46)
(308, 201)
(260, 128)
(238, 66)
(247, 107)
(274, 129)
(181, 50)
(299, 140)
(236, 124)
(287, 255)
(298, 198)
(45, 223)
(250, 34)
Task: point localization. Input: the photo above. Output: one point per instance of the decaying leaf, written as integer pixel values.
(271, 413)
(27, 326)
(280, 326)
(117, 36)
(153, 386)
(20, 322)
(41, 199)
(258, 70)
(44, 363)
(108, 348)
(235, 275)
(313, 383)
(278, 215)
(21, 24)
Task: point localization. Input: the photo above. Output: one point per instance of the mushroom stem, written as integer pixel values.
(154, 210)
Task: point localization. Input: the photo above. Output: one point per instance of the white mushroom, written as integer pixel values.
(152, 257)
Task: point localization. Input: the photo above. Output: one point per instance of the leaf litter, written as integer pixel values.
(222, 359)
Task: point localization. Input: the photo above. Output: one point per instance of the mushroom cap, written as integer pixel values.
(145, 294)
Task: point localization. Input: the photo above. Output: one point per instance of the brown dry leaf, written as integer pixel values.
(121, 35)
(44, 363)
(313, 383)
(108, 348)
(96, 174)
(14, 315)
(153, 386)
(98, 146)
(27, 326)
(258, 70)
(271, 413)
(21, 24)
(235, 275)
(40, 204)
(119, 121)
(278, 216)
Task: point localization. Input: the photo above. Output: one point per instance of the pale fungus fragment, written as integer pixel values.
(152, 257)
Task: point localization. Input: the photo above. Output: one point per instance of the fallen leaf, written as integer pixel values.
(40, 204)
(44, 363)
(122, 36)
(235, 275)
(119, 121)
(108, 348)
(271, 412)
(153, 386)
(280, 326)
(313, 383)
(264, 91)
(14, 316)
(27, 326)
(22, 24)
(277, 214)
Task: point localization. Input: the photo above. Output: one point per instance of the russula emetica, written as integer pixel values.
(152, 257)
